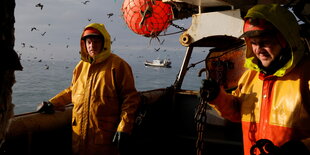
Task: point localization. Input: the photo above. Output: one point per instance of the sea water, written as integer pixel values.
(42, 79)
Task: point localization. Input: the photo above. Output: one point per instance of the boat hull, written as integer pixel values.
(35, 133)
(158, 63)
(168, 127)
(152, 65)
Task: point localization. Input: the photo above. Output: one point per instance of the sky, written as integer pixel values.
(59, 25)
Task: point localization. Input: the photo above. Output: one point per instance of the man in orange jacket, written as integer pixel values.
(272, 100)
(103, 94)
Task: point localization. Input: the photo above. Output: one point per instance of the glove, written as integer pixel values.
(294, 147)
(265, 147)
(209, 89)
(121, 139)
(45, 108)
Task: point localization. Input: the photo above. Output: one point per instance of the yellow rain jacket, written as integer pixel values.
(104, 97)
(274, 107)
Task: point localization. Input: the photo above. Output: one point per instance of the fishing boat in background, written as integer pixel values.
(158, 63)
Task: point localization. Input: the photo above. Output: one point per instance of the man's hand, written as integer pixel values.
(209, 90)
(45, 108)
(121, 139)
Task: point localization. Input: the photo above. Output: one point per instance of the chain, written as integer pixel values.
(201, 122)
(179, 27)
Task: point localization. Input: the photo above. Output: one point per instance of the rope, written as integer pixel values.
(148, 11)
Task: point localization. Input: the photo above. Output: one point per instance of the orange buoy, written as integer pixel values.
(147, 17)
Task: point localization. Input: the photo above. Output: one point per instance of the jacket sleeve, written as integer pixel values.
(61, 99)
(227, 105)
(129, 98)
(64, 97)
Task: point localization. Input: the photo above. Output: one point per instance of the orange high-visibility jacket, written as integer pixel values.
(274, 107)
(104, 97)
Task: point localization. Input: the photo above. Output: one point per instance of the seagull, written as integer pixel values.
(42, 34)
(85, 2)
(39, 5)
(162, 42)
(34, 28)
(157, 49)
(19, 55)
(23, 44)
(46, 66)
(89, 19)
(114, 39)
(110, 14)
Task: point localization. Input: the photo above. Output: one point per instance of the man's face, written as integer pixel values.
(94, 46)
(266, 49)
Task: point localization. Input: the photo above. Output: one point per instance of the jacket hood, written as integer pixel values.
(287, 25)
(106, 50)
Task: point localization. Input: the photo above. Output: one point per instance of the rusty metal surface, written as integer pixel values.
(235, 58)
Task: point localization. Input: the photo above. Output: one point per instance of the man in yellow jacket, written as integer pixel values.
(103, 94)
(272, 100)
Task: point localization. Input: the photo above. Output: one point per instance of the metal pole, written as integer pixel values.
(178, 82)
